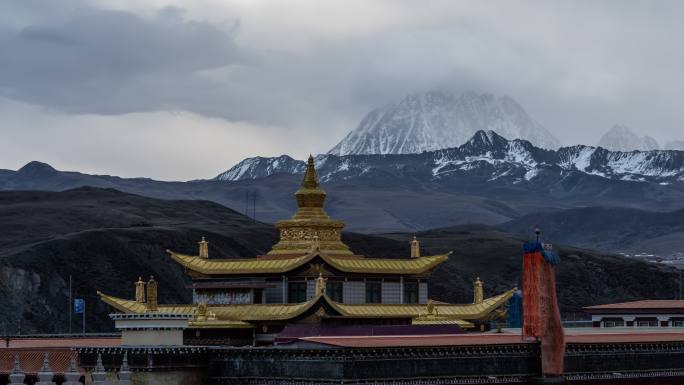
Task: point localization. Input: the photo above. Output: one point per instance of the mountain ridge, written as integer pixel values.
(488, 180)
(515, 156)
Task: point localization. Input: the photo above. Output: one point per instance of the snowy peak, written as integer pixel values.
(484, 141)
(436, 120)
(260, 167)
(622, 138)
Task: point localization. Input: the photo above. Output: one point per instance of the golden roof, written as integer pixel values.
(467, 312)
(283, 265)
(228, 316)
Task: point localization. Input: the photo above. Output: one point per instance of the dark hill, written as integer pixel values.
(584, 276)
(105, 239)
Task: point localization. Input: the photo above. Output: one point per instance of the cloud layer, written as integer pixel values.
(310, 70)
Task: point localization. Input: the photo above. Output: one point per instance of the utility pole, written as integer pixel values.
(247, 203)
(69, 305)
(254, 206)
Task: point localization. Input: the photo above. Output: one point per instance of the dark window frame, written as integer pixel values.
(373, 292)
(335, 290)
(411, 292)
(296, 292)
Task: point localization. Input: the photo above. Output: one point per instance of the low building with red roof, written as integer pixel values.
(645, 313)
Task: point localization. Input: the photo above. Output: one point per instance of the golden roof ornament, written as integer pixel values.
(415, 248)
(310, 220)
(478, 291)
(431, 310)
(315, 244)
(201, 312)
(211, 316)
(203, 248)
(320, 284)
(140, 291)
(152, 303)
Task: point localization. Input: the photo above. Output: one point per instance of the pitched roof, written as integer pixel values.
(639, 305)
(269, 312)
(282, 265)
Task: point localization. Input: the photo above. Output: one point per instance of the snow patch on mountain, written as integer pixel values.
(436, 120)
(576, 157)
(260, 167)
(486, 155)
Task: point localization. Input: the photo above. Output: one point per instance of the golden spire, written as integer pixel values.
(310, 229)
(151, 295)
(478, 291)
(310, 178)
(310, 197)
(415, 248)
(140, 291)
(203, 248)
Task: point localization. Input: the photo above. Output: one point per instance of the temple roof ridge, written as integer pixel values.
(282, 265)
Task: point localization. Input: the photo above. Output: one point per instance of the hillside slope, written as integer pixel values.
(105, 239)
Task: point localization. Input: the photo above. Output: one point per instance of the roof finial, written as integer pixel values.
(203, 248)
(140, 291)
(478, 291)
(151, 295)
(415, 248)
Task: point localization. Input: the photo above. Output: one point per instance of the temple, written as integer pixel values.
(309, 277)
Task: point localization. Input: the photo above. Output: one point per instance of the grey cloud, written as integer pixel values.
(101, 61)
(573, 72)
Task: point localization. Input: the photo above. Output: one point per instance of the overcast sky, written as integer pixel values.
(180, 90)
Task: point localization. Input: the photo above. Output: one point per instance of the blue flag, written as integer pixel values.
(79, 305)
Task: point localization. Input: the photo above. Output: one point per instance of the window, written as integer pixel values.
(613, 323)
(647, 322)
(258, 296)
(334, 290)
(373, 292)
(410, 292)
(678, 323)
(296, 292)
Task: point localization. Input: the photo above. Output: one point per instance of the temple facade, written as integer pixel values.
(309, 277)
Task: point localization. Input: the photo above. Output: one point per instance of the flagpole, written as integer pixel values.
(84, 316)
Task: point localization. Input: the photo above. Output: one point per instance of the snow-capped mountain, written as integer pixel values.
(436, 120)
(622, 138)
(486, 157)
(675, 145)
(259, 167)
